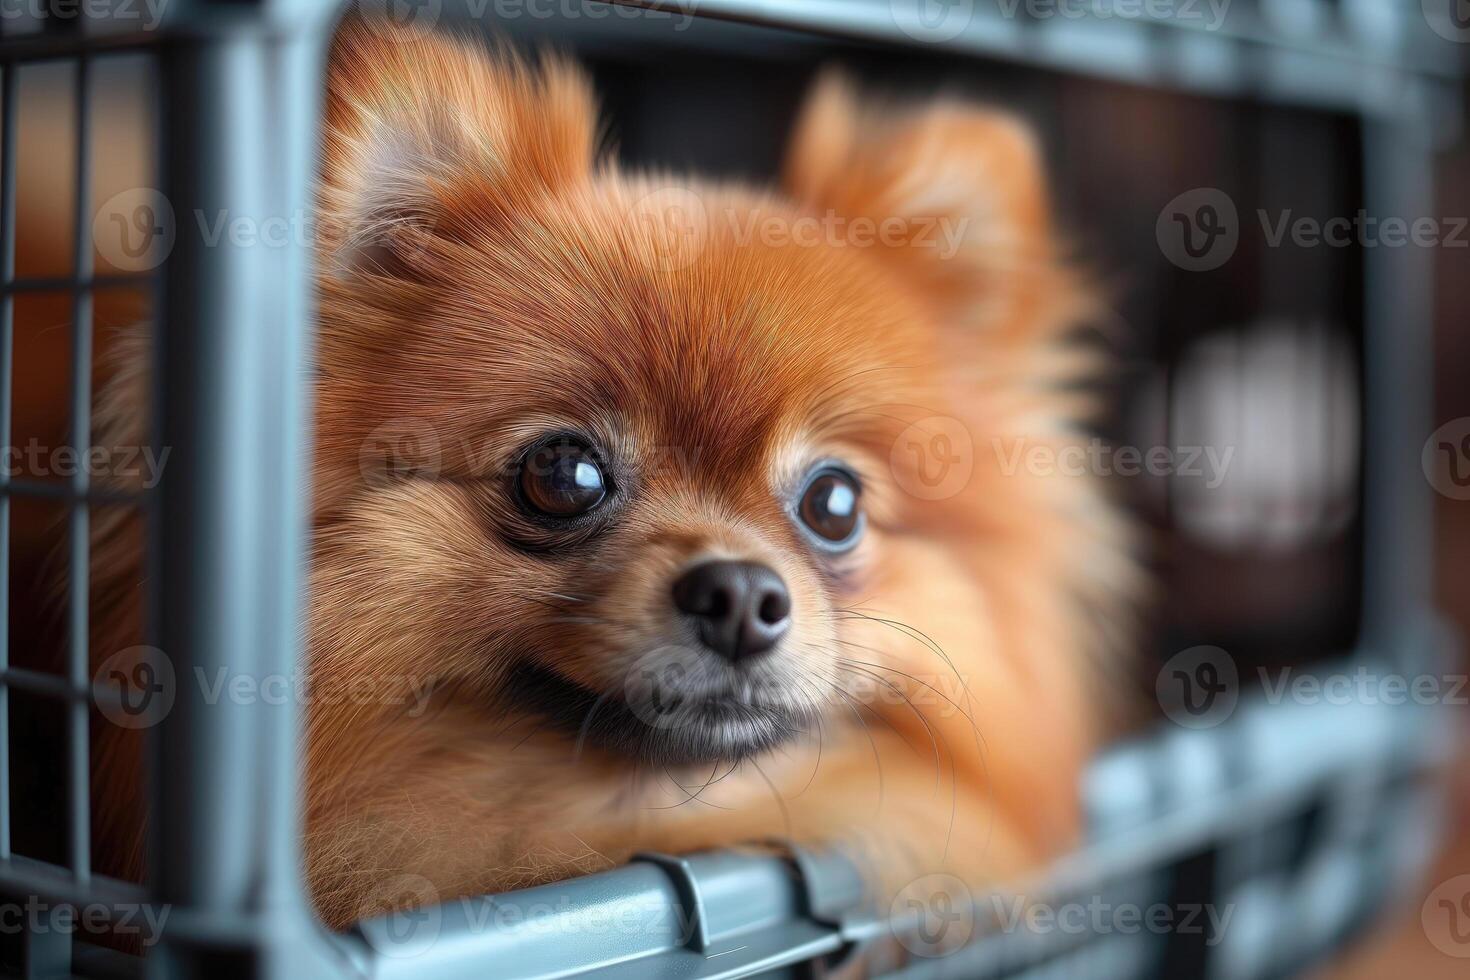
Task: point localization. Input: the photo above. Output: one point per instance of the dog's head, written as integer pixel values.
(667, 464)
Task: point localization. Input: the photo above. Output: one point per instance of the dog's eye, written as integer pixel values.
(562, 479)
(830, 508)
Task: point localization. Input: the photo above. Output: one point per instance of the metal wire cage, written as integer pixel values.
(1306, 844)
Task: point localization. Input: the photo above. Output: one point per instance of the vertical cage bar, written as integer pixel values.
(7, 328)
(1398, 356)
(79, 544)
(296, 70)
(214, 317)
(239, 138)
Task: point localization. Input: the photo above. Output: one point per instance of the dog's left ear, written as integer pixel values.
(956, 196)
(434, 136)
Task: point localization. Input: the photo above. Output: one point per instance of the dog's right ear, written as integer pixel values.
(429, 136)
(964, 188)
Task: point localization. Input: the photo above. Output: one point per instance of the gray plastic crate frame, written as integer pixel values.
(240, 84)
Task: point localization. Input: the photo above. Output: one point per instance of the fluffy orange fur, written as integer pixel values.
(487, 277)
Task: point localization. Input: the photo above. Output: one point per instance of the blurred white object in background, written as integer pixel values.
(1277, 405)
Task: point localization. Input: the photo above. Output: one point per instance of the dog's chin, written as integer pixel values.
(707, 729)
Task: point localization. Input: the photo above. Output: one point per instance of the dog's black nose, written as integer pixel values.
(742, 607)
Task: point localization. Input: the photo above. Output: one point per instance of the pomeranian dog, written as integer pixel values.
(654, 514)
